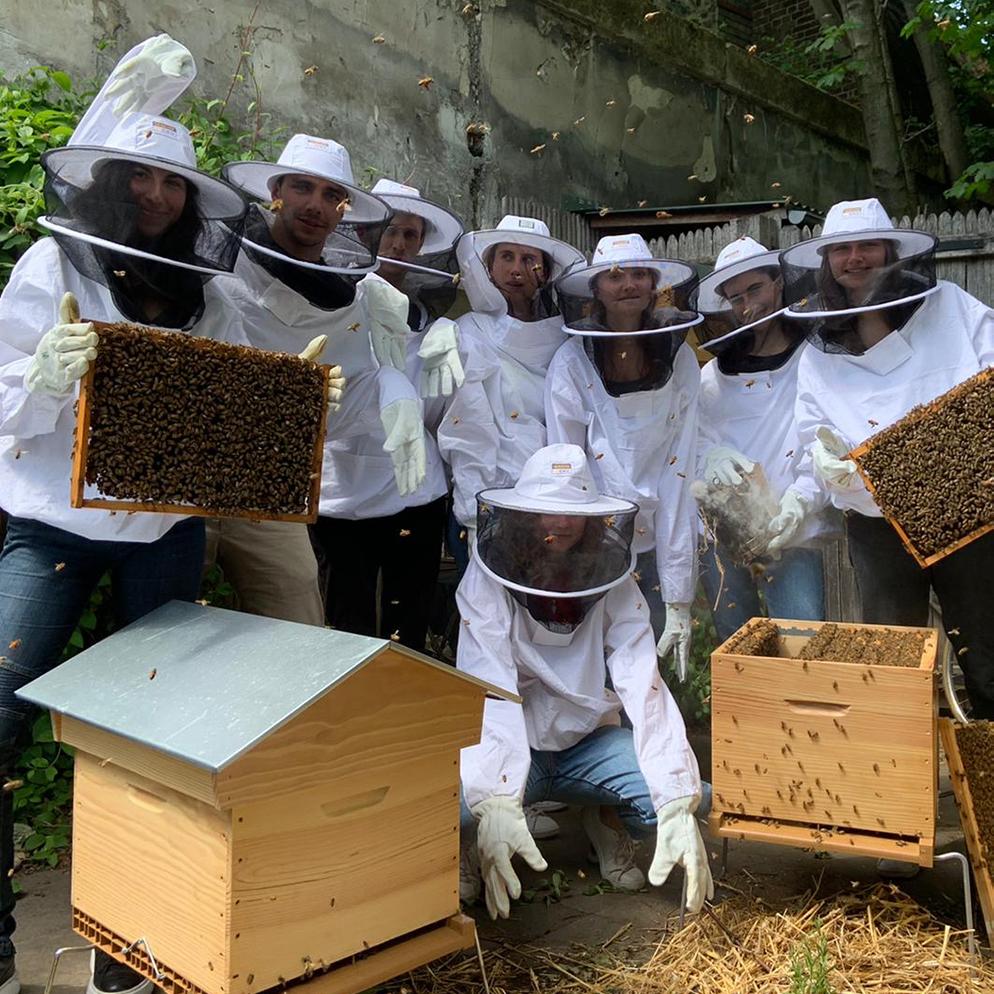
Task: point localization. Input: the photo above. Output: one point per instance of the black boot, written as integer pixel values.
(111, 977)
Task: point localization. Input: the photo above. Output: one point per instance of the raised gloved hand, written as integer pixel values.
(135, 79)
(64, 353)
(679, 843)
(441, 369)
(387, 309)
(793, 510)
(336, 381)
(405, 442)
(725, 465)
(501, 834)
(828, 453)
(676, 637)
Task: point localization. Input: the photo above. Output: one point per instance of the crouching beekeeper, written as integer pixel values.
(550, 609)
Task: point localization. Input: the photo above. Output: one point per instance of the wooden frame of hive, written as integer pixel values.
(925, 411)
(81, 445)
(804, 754)
(968, 819)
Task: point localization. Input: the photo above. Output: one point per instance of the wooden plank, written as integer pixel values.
(81, 441)
(390, 709)
(852, 843)
(150, 861)
(968, 819)
(328, 873)
(394, 960)
(110, 748)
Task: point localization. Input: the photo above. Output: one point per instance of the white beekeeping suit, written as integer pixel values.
(629, 397)
(550, 609)
(496, 419)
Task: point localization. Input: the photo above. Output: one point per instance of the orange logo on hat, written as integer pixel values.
(562, 467)
(849, 211)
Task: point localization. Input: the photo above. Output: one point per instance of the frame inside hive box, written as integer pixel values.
(932, 472)
(826, 754)
(969, 752)
(168, 422)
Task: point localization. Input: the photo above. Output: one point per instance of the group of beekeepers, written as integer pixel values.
(564, 412)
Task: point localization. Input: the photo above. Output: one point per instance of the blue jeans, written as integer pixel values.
(46, 578)
(795, 589)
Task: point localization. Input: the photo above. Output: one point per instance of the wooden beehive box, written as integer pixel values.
(260, 800)
(172, 423)
(831, 755)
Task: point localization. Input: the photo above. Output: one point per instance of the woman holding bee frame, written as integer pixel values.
(888, 336)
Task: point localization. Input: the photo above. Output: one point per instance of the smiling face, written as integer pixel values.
(518, 271)
(402, 240)
(856, 265)
(160, 196)
(565, 531)
(753, 295)
(625, 292)
(310, 211)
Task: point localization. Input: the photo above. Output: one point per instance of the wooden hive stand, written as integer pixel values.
(259, 802)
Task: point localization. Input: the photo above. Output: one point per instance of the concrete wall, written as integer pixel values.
(660, 102)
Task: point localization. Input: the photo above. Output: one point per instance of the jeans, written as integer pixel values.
(793, 587)
(648, 571)
(46, 578)
(894, 590)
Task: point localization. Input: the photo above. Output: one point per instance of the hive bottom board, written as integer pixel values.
(352, 976)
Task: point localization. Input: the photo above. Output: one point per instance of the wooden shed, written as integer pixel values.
(261, 801)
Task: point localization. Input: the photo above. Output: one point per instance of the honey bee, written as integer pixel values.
(425, 82)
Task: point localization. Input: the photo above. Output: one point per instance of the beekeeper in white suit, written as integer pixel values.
(312, 233)
(496, 418)
(624, 387)
(550, 609)
(747, 420)
(887, 336)
(138, 234)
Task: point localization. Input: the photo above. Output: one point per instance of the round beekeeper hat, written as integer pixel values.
(517, 544)
(724, 323)
(154, 142)
(442, 227)
(530, 231)
(907, 275)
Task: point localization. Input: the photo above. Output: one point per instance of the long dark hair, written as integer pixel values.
(598, 312)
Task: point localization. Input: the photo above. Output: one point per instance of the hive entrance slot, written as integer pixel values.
(824, 708)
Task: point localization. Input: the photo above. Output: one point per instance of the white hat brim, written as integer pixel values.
(596, 333)
(562, 254)
(883, 305)
(808, 254)
(444, 228)
(671, 273)
(321, 267)
(709, 346)
(509, 499)
(558, 594)
(708, 297)
(254, 178)
(75, 164)
(82, 236)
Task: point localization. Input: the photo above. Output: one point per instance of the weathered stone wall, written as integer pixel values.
(638, 108)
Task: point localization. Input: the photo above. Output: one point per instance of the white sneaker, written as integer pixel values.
(615, 852)
(549, 807)
(540, 825)
(470, 882)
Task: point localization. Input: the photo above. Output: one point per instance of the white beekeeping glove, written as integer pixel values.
(828, 453)
(405, 443)
(441, 370)
(138, 77)
(336, 381)
(676, 638)
(679, 843)
(64, 353)
(503, 833)
(724, 465)
(387, 310)
(793, 510)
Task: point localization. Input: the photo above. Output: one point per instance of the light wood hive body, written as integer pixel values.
(828, 755)
(336, 834)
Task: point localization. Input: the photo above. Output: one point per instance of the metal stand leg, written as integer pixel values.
(723, 865)
(967, 896)
(479, 957)
(683, 900)
(59, 953)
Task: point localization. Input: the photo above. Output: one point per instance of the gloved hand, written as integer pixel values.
(64, 353)
(405, 442)
(387, 309)
(135, 79)
(441, 370)
(679, 843)
(828, 453)
(336, 382)
(676, 637)
(793, 510)
(501, 834)
(725, 465)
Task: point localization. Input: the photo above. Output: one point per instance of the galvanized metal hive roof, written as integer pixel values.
(205, 684)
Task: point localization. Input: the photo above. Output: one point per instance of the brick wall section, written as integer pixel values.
(779, 19)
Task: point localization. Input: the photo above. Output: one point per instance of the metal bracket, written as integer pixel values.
(151, 956)
(967, 896)
(57, 958)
